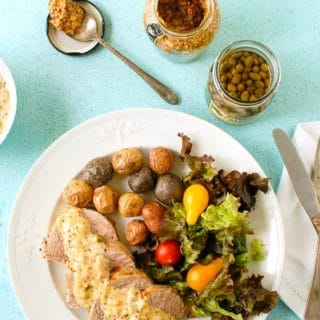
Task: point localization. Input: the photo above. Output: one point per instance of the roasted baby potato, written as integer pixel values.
(78, 193)
(130, 204)
(127, 161)
(169, 188)
(153, 213)
(136, 232)
(160, 160)
(97, 172)
(142, 181)
(105, 199)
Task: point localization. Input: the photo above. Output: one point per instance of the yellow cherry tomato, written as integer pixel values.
(195, 201)
(200, 275)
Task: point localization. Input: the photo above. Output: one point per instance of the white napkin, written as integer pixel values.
(300, 237)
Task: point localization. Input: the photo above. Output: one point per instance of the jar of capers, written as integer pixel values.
(242, 81)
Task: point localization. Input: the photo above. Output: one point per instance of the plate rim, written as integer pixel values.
(53, 147)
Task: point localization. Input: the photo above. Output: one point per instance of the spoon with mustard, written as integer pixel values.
(88, 32)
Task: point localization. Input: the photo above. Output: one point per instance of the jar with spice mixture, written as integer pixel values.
(242, 82)
(181, 29)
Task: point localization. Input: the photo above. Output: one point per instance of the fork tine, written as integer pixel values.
(316, 164)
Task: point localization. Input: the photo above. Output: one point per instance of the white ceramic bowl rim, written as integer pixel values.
(7, 76)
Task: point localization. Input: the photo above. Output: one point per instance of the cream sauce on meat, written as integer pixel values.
(129, 304)
(86, 257)
(90, 269)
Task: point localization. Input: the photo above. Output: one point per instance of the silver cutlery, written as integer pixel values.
(88, 32)
(308, 197)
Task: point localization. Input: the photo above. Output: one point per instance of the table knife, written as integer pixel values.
(306, 193)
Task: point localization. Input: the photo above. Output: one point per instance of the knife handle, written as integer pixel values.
(313, 306)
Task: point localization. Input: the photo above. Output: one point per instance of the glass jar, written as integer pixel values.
(181, 46)
(231, 109)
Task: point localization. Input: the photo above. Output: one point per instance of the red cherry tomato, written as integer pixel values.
(168, 253)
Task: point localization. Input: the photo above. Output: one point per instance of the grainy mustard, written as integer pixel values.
(90, 270)
(86, 258)
(129, 304)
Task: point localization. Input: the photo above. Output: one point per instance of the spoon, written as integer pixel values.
(88, 32)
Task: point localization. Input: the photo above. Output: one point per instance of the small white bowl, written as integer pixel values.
(7, 76)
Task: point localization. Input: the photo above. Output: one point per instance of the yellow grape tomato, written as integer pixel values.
(195, 201)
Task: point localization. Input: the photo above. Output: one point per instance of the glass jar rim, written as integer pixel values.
(260, 49)
(205, 21)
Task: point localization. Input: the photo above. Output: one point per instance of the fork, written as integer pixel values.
(313, 306)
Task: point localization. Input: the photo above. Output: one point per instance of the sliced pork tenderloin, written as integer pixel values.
(126, 277)
(52, 246)
(118, 255)
(166, 299)
(158, 296)
(70, 298)
(101, 225)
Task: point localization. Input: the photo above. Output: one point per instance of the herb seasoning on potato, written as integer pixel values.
(244, 75)
(97, 172)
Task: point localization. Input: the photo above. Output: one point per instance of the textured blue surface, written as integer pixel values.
(57, 92)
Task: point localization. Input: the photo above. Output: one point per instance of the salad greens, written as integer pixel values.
(257, 250)
(220, 231)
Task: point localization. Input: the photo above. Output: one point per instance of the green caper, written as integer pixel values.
(251, 89)
(224, 67)
(263, 74)
(232, 62)
(259, 92)
(236, 79)
(249, 83)
(234, 71)
(244, 75)
(239, 67)
(266, 83)
(248, 61)
(256, 69)
(264, 67)
(231, 87)
(223, 78)
(259, 84)
(236, 55)
(245, 95)
(240, 87)
(233, 95)
(254, 76)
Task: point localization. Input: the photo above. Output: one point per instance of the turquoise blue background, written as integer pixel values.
(57, 92)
